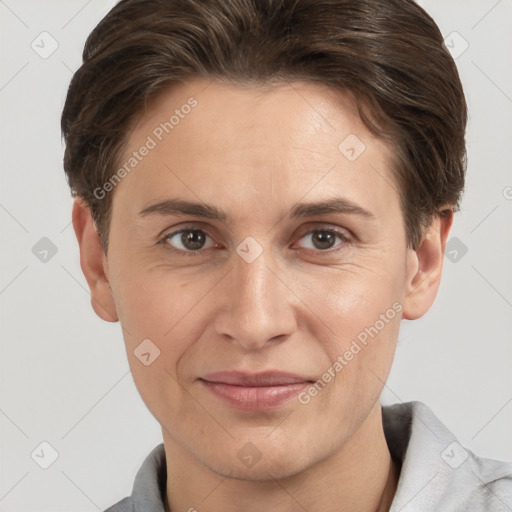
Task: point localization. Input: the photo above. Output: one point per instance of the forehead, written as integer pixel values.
(247, 111)
(215, 141)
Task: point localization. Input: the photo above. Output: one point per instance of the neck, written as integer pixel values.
(360, 475)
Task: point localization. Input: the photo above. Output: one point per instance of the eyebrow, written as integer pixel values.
(208, 211)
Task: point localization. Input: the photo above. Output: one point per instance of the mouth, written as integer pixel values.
(255, 392)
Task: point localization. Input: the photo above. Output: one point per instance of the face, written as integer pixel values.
(260, 231)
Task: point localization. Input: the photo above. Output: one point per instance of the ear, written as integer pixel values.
(424, 267)
(93, 261)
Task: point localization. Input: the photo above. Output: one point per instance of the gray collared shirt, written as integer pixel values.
(437, 473)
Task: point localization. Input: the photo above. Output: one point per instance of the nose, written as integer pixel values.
(257, 307)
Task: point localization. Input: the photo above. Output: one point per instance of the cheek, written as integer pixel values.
(161, 318)
(352, 296)
(359, 308)
(165, 307)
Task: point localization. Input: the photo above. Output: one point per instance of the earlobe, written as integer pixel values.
(424, 267)
(93, 261)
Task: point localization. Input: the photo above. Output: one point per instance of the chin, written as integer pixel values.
(262, 471)
(258, 464)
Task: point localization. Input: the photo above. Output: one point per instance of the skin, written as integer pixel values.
(255, 153)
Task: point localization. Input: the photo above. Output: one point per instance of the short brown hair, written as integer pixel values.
(387, 55)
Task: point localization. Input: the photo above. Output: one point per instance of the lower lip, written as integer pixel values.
(255, 398)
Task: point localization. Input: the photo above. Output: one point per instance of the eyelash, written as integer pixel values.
(343, 237)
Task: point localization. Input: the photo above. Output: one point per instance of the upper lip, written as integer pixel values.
(268, 378)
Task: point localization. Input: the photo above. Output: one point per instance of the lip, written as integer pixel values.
(255, 392)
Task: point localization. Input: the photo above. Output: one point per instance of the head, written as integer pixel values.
(264, 185)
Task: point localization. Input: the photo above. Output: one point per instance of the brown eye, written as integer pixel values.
(188, 240)
(323, 239)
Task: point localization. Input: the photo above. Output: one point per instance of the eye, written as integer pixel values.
(188, 241)
(191, 241)
(324, 239)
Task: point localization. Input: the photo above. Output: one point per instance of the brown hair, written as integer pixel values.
(387, 55)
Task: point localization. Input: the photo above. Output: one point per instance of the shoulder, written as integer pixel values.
(437, 472)
(489, 484)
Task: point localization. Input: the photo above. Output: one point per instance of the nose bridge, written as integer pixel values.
(258, 303)
(254, 283)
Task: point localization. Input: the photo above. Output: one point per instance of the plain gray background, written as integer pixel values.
(64, 372)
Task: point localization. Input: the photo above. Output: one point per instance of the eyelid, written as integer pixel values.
(325, 226)
(192, 225)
